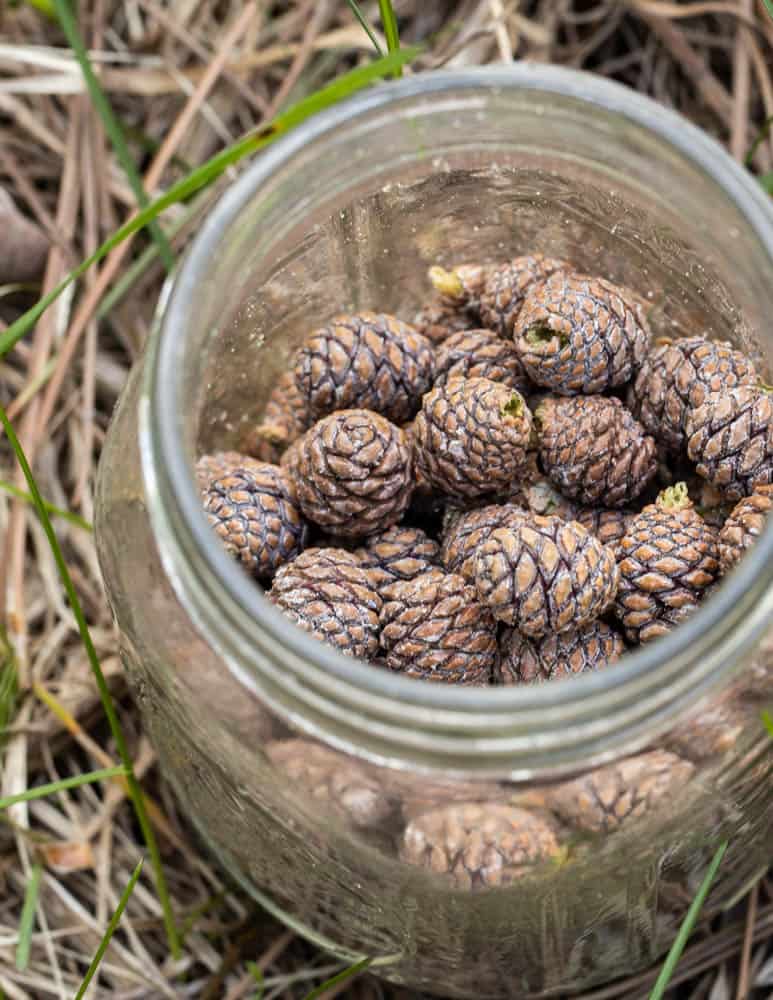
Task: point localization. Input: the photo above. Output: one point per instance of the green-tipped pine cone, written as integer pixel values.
(577, 334)
(593, 450)
(438, 322)
(471, 437)
(529, 661)
(460, 287)
(399, 553)
(481, 354)
(744, 526)
(468, 530)
(676, 377)
(542, 574)
(507, 286)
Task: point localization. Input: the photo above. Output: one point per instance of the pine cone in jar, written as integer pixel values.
(529, 661)
(677, 376)
(471, 436)
(285, 418)
(608, 525)
(326, 592)
(437, 322)
(479, 845)
(222, 463)
(368, 361)
(593, 450)
(730, 438)
(602, 800)
(507, 286)
(400, 553)
(668, 557)
(461, 287)
(542, 574)
(354, 473)
(256, 514)
(466, 532)
(434, 628)
(577, 334)
(744, 526)
(713, 730)
(326, 778)
(480, 354)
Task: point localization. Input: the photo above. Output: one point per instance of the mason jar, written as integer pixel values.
(492, 842)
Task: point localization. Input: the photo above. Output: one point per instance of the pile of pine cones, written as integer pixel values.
(468, 499)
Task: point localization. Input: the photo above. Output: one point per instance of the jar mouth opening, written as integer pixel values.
(169, 478)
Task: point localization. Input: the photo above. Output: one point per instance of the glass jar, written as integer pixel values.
(487, 842)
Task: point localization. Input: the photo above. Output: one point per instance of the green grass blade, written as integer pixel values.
(340, 978)
(769, 6)
(355, 9)
(27, 922)
(255, 971)
(112, 126)
(66, 515)
(135, 792)
(767, 181)
(9, 684)
(110, 930)
(41, 791)
(391, 32)
(345, 85)
(687, 925)
(767, 721)
(45, 7)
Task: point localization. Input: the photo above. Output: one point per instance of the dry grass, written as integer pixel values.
(184, 79)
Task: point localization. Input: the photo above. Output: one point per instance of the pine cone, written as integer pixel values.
(529, 661)
(256, 514)
(577, 334)
(602, 800)
(437, 322)
(730, 438)
(677, 376)
(480, 354)
(593, 450)
(327, 592)
(471, 436)
(478, 845)
(608, 526)
(744, 526)
(285, 418)
(467, 531)
(354, 473)
(668, 557)
(434, 628)
(368, 361)
(544, 575)
(222, 463)
(507, 286)
(399, 553)
(461, 287)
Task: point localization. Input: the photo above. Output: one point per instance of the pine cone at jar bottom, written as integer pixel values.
(354, 473)
(420, 794)
(607, 797)
(676, 376)
(609, 526)
(479, 845)
(668, 557)
(529, 661)
(481, 354)
(466, 532)
(593, 450)
(285, 418)
(543, 575)
(507, 286)
(326, 592)
(222, 463)
(730, 439)
(712, 731)
(255, 513)
(434, 628)
(744, 526)
(471, 436)
(399, 553)
(437, 322)
(368, 361)
(461, 287)
(577, 334)
(327, 779)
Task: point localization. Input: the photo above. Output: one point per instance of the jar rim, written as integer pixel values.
(228, 600)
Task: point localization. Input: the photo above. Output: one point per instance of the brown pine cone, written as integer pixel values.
(744, 526)
(593, 450)
(478, 845)
(529, 661)
(256, 514)
(354, 473)
(608, 526)
(437, 322)
(327, 592)
(544, 575)
(461, 287)
(467, 531)
(730, 438)
(471, 436)
(480, 354)
(602, 800)
(668, 557)
(507, 286)
(434, 628)
(285, 418)
(577, 334)
(677, 376)
(222, 463)
(399, 553)
(367, 361)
